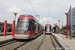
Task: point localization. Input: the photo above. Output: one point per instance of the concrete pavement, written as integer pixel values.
(7, 33)
(69, 42)
(6, 37)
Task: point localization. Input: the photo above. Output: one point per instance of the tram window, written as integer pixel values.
(0, 23)
(22, 24)
(36, 23)
(50, 28)
(38, 27)
(31, 25)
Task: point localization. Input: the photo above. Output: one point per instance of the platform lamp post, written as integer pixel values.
(15, 17)
(59, 25)
(38, 17)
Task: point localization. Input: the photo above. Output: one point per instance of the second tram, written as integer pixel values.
(47, 29)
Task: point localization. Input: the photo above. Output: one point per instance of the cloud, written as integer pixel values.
(58, 8)
(14, 9)
(46, 20)
(49, 20)
(4, 17)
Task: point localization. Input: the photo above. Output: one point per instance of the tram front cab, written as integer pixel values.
(47, 29)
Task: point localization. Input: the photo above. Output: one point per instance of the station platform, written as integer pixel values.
(8, 36)
(8, 33)
(69, 42)
(5, 37)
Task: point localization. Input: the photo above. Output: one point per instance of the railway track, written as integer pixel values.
(43, 42)
(49, 43)
(19, 46)
(7, 43)
(12, 45)
(55, 44)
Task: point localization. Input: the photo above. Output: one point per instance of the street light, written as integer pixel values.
(38, 17)
(15, 17)
(62, 23)
(65, 13)
(59, 24)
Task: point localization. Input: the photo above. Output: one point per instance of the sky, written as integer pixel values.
(49, 13)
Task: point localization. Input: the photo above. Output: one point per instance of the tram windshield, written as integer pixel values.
(22, 24)
(37, 28)
(47, 28)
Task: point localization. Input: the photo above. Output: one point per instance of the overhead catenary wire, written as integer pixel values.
(7, 7)
(48, 12)
(33, 7)
(49, 9)
(4, 6)
(13, 10)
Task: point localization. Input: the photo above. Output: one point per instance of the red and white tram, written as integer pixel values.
(27, 27)
(47, 29)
